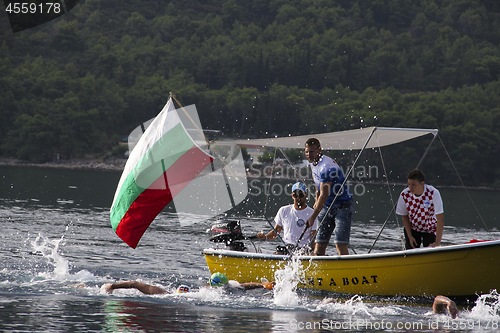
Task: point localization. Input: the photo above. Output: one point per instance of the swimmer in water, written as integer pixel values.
(441, 305)
(216, 280)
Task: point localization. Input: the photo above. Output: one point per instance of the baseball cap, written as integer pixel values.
(299, 186)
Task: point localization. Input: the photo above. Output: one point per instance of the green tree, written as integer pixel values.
(241, 102)
(32, 138)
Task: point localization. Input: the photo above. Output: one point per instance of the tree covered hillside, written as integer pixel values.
(77, 85)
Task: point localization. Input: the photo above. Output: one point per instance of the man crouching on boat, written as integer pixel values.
(291, 219)
(421, 207)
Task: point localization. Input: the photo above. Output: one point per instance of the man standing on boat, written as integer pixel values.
(333, 217)
(421, 208)
(291, 219)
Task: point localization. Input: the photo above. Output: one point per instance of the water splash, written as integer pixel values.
(287, 280)
(487, 306)
(49, 250)
(353, 306)
(56, 267)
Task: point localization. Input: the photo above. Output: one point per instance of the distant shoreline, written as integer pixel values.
(119, 164)
(110, 165)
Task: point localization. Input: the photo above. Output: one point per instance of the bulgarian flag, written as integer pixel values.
(164, 161)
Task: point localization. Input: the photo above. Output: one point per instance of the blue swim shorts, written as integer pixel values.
(337, 221)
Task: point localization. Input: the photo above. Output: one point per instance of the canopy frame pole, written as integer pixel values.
(394, 205)
(294, 170)
(392, 210)
(190, 118)
(291, 164)
(463, 185)
(253, 201)
(265, 217)
(345, 179)
(270, 181)
(426, 151)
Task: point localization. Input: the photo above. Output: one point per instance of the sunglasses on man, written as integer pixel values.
(299, 195)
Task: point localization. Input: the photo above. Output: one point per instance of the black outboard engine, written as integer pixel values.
(228, 232)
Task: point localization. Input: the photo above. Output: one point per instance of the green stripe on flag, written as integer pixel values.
(172, 145)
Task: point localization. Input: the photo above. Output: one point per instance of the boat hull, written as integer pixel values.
(455, 270)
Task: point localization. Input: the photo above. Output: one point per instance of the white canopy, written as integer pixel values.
(344, 140)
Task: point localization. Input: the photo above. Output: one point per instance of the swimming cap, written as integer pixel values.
(218, 279)
(267, 285)
(183, 289)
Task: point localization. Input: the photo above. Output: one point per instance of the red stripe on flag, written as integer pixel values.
(150, 202)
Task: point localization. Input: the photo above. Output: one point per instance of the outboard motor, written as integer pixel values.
(228, 232)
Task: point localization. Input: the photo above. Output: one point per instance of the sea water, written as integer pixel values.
(58, 250)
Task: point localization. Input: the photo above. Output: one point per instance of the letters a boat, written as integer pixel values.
(456, 270)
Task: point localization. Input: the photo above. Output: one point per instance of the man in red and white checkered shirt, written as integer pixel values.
(421, 208)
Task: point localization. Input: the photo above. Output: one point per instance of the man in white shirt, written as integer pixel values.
(291, 219)
(421, 208)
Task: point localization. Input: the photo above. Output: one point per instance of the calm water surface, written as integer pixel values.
(58, 249)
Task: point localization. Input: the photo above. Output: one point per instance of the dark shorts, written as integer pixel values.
(420, 237)
(338, 221)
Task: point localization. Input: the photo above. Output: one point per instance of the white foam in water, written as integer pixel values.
(487, 306)
(49, 250)
(286, 283)
(208, 294)
(353, 306)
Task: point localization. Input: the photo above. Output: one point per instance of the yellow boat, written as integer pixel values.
(454, 270)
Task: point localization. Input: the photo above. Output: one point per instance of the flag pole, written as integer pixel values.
(225, 165)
